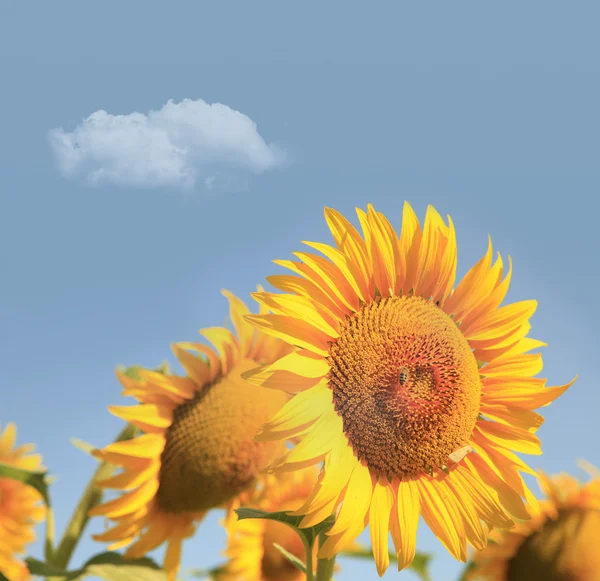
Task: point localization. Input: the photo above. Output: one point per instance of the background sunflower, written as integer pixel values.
(558, 544)
(21, 508)
(197, 450)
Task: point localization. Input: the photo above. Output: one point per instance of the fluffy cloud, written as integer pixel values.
(179, 146)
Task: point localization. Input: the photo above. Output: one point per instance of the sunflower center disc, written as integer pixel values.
(210, 454)
(406, 384)
(565, 549)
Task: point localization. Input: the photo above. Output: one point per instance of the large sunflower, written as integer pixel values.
(252, 555)
(197, 450)
(559, 544)
(20, 506)
(397, 377)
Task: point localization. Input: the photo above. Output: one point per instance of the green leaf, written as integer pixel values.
(42, 569)
(109, 566)
(420, 564)
(308, 534)
(281, 516)
(35, 479)
(205, 573)
(298, 563)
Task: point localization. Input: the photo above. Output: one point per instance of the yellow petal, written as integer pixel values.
(379, 524)
(408, 245)
(313, 447)
(356, 500)
(301, 411)
(381, 242)
(331, 276)
(510, 437)
(349, 270)
(130, 479)
(525, 397)
(405, 521)
(148, 414)
(196, 368)
(492, 302)
(526, 365)
(293, 331)
(144, 446)
(486, 504)
(214, 363)
(447, 267)
(350, 243)
(128, 502)
(501, 321)
(7, 439)
(426, 273)
(294, 372)
(339, 465)
(130, 526)
(331, 292)
(306, 288)
(441, 517)
(512, 416)
(237, 311)
(225, 343)
(476, 533)
(467, 290)
(300, 308)
(155, 535)
(490, 476)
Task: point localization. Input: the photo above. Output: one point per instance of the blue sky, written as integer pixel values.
(489, 113)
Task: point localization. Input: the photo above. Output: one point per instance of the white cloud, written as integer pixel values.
(179, 145)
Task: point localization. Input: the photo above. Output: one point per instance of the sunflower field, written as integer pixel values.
(374, 390)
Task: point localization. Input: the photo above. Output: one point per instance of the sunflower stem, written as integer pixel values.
(91, 496)
(310, 576)
(49, 542)
(325, 567)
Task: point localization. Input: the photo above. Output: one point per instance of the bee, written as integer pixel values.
(403, 375)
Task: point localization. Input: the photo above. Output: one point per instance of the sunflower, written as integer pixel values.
(20, 506)
(398, 376)
(252, 555)
(197, 450)
(559, 544)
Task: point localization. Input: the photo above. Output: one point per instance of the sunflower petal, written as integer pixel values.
(379, 524)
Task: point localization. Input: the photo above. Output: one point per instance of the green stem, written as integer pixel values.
(91, 496)
(325, 567)
(49, 543)
(310, 576)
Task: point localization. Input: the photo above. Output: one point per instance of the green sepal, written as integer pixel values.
(34, 478)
